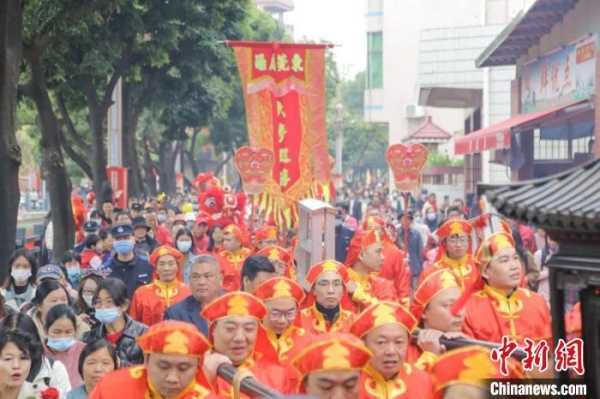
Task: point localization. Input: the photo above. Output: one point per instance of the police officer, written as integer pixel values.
(125, 264)
(90, 227)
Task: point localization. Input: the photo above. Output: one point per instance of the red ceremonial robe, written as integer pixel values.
(464, 269)
(490, 315)
(151, 300)
(231, 268)
(395, 269)
(409, 383)
(313, 322)
(371, 289)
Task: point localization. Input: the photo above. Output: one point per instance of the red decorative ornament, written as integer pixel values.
(407, 163)
(255, 166)
(50, 393)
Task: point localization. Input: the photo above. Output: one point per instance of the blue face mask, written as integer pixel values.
(107, 316)
(123, 247)
(60, 344)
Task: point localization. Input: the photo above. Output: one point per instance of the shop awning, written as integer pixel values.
(498, 136)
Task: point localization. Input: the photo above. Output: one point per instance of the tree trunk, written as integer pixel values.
(131, 115)
(53, 163)
(167, 154)
(11, 18)
(192, 153)
(149, 176)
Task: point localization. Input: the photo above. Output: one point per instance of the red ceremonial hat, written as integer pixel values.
(280, 287)
(274, 252)
(360, 241)
(470, 365)
(490, 247)
(266, 233)
(432, 285)
(235, 303)
(175, 338)
(328, 265)
(454, 226)
(336, 351)
(380, 314)
(166, 250)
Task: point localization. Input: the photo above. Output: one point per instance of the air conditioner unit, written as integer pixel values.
(414, 111)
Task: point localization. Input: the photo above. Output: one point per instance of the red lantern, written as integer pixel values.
(255, 166)
(407, 163)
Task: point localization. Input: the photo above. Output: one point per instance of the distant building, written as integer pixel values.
(278, 8)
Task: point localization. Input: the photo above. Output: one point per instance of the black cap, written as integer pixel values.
(139, 221)
(121, 230)
(137, 207)
(90, 226)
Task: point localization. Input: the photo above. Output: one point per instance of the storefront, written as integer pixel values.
(554, 46)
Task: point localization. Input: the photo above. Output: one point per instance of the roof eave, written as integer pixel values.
(484, 59)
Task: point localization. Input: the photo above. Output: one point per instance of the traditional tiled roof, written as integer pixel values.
(523, 32)
(568, 201)
(429, 131)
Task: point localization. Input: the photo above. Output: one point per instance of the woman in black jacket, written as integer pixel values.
(111, 304)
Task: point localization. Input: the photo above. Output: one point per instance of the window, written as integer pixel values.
(546, 150)
(375, 60)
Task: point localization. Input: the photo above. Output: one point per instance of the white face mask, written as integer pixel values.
(21, 275)
(88, 300)
(184, 246)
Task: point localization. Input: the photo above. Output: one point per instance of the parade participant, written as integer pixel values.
(324, 305)
(385, 328)
(234, 320)
(501, 308)
(150, 301)
(17, 353)
(205, 285)
(256, 269)
(136, 210)
(266, 236)
(61, 343)
(415, 246)
(159, 232)
(126, 265)
(281, 260)
(97, 359)
(454, 254)
(184, 241)
(111, 303)
(91, 257)
(331, 366)
(431, 306)
(144, 244)
(90, 227)
(465, 373)
(173, 356)
(394, 266)
(107, 209)
(20, 287)
(84, 306)
(282, 297)
(200, 232)
(216, 237)
(48, 294)
(122, 217)
(233, 255)
(365, 258)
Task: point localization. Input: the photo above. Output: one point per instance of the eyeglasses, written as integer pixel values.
(458, 240)
(327, 283)
(278, 314)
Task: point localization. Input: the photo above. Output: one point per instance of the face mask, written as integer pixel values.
(88, 300)
(60, 344)
(161, 217)
(123, 247)
(184, 246)
(431, 217)
(21, 275)
(98, 221)
(73, 271)
(107, 316)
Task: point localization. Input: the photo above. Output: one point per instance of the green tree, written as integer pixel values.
(11, 19)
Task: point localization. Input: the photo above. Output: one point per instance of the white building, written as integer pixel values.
(277, 8)
(421, 61)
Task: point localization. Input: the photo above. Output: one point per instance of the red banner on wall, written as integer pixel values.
(284, 95)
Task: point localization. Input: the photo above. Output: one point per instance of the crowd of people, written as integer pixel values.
(153, 299)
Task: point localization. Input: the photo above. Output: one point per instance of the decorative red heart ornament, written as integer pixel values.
(407, 163)
(255, 166)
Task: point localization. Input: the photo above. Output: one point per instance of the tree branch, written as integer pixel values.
(77, 139)
(120, 68)
(75, 156)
